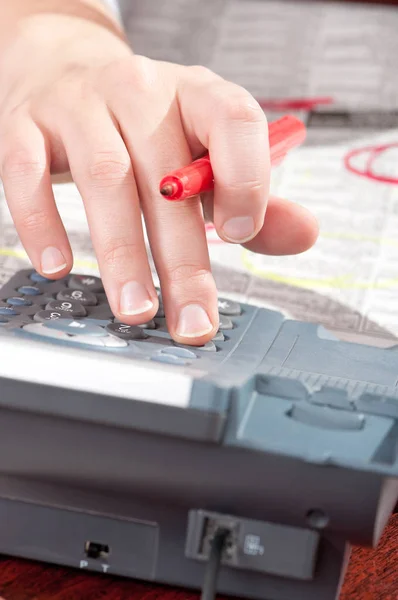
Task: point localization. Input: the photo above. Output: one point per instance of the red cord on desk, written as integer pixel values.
(294, 103)
(373, 152)
(284, 134)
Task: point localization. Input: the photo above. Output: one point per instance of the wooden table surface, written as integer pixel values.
(372, 575)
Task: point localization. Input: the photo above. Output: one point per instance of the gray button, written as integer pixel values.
(114, 342)
(225, 323)
(335, 398)
(8, 311)
(85, 297)
(171, 360)
(50, 315)
(71, 307)
(219, 337)
(3, 320)
(17, 301)
(40, 330)
(76, 327)
(86, 282)
(126, 332)
(179, 352)
(326, 418)
(378, 405)
(209, 347)
(148, 325)
(229, 307)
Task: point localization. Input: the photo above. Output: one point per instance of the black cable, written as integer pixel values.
(209, 589)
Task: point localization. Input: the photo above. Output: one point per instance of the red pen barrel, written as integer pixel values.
(192, 180)
(284, 135)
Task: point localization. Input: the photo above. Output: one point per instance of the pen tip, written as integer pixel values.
(167, 189)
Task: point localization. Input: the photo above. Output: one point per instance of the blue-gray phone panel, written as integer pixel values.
(286, 426)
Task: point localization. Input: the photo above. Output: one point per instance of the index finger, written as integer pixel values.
(229, 122)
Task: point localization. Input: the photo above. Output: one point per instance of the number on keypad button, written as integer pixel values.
(83, 296)
(228, 308)
(126, 332)
(71, 307)
(50, 315)
(148, 325)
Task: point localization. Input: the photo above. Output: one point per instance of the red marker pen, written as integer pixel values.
(284, 135)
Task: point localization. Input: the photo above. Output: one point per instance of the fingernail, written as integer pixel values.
(239, 229)
(193, 322)
(52, 261)
(134, 299)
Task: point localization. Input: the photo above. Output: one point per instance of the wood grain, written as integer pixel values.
(372, 575)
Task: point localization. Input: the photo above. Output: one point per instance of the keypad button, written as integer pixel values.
(148, 325)
(86, 282)
(85, 297)
(225, 323)
(76, 327)
(37, 278)
(179, 352)
(219, 337)
(50, 315)
(170, 360)
(230, 308)
(3, 320)
(208, 347)
(29, 290)
(8, 311)
(73, 308)
(126, 332)
(15, 301)
(323, 417)
(114, 342)
(38, 329)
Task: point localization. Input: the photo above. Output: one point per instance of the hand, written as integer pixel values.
(73, 97)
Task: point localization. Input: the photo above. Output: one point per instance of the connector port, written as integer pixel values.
(96, 550)
(210, 525)
(261, 546)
